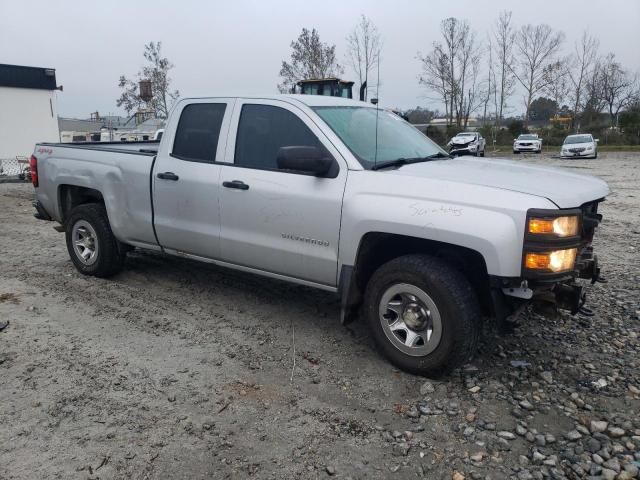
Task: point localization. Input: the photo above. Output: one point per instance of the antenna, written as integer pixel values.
(375, 101)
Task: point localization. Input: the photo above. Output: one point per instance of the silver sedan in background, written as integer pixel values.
(579, 146)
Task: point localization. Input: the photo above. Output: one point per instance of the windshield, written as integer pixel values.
(356, 127)
(577, 139)
(528, 137)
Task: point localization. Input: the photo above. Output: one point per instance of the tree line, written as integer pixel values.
(466, 74)
(469, 75)
(531, 57)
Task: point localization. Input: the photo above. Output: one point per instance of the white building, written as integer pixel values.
(28, 111)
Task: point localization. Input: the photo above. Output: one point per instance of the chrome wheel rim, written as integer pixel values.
(410, 319)
(85, 242)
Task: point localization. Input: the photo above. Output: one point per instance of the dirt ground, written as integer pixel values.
(174, 369)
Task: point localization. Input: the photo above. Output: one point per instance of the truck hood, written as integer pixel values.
(563, 187)
(567, 146)
(462, 140)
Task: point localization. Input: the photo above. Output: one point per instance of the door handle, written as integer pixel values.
(239, 184)
(168, 176)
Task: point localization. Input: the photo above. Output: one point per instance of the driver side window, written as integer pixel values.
(263, 130)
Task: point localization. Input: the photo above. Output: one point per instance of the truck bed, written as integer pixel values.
(119, 171)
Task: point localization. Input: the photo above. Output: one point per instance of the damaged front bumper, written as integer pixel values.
(563, 289)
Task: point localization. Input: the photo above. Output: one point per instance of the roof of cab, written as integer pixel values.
(309, 100)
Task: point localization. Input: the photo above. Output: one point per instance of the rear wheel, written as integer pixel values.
(93, 248)
(423, 314)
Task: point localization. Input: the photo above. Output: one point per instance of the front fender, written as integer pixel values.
(487, 220)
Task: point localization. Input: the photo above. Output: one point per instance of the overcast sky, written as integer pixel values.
(237, 47)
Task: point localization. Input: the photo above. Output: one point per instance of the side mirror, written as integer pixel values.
(303, 159)
(597, 140)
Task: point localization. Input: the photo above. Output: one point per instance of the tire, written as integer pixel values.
(482, 153)
(452, 312)
(92, 247)
(595, 155)
(515, 152)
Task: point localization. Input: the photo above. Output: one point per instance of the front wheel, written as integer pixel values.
(93, 248)
(423, 314)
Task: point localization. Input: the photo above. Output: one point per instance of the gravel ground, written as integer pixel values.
(175, 369)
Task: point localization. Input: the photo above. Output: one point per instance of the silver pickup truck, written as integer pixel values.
(339, 195)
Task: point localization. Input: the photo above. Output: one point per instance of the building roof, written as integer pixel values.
(78, 125)
(18, 76)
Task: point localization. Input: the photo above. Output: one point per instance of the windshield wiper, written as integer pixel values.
(406, 161)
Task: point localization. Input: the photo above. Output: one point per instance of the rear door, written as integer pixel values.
(277, 221)
(185, 178)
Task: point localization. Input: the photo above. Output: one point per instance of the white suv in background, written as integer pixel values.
(527, 142)
(579, 146)
(467, 143)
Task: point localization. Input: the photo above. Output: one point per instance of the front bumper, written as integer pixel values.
(463, 149)
(585, 154)
(562, 289)
(526, 148)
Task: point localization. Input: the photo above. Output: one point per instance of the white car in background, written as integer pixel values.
(467, 143)
(579, 146)
(527, 142)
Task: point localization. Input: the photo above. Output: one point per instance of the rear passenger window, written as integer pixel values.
(263, 129)
(198, 131)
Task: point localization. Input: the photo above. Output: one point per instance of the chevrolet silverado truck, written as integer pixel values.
(339, 195)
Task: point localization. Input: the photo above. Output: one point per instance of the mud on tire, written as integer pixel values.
(93, 248)
(455, 303)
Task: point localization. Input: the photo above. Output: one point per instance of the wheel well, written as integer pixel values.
(70, 196)
(377, 248)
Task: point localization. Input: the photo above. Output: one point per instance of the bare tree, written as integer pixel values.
(594, 102)
(536, 47)
(451, 70)
(470, 97)
(436, 75)
(584, 58)
(363, 50)
(618, 87)
(157, 71)
(504, 36)
(556, 76)
(310, 59)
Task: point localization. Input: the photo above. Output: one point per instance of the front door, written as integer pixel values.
(278, 221)
(185, 178)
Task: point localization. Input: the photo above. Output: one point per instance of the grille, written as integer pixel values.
(576, 150)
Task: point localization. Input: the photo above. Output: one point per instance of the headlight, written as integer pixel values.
(589, 147)
(555, 261)
(560, 226)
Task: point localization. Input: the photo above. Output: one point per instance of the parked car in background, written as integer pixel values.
(582, 145)
(471, 143)
(527, 142)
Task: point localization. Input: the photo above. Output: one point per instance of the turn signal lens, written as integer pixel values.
(560, 226)
(556, 261)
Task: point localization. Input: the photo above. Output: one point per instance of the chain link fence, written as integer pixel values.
(17, 167)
